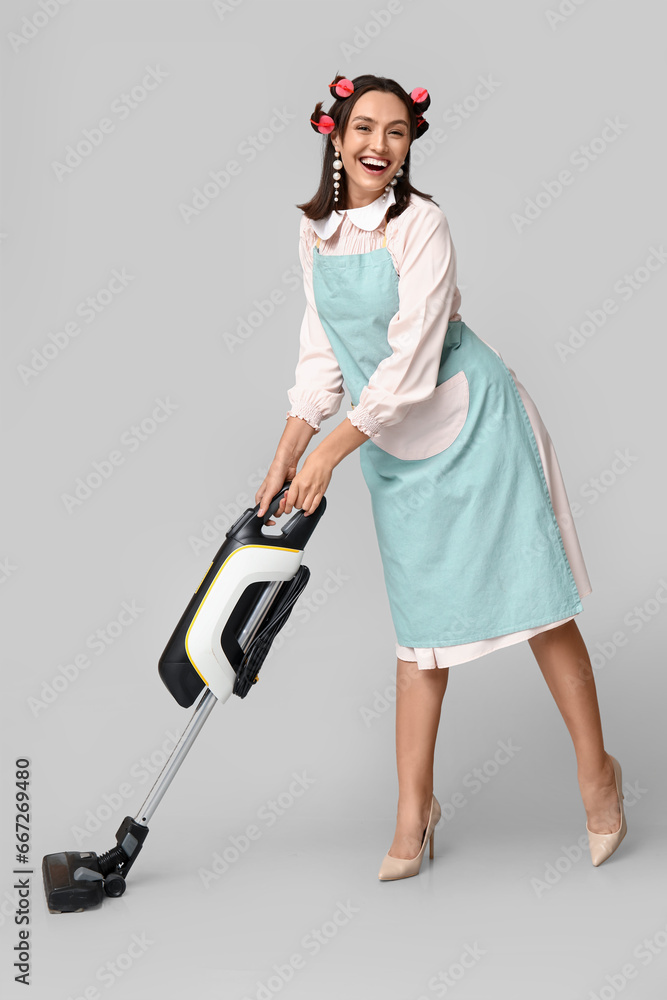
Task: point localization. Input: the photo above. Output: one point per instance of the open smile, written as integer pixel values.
(374, 164)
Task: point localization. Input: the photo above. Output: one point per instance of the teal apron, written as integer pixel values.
(468, 537)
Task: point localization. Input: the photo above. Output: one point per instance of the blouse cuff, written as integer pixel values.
(307, 412)
(363, 420)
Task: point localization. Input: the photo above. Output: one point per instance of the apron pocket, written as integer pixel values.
(431, 426)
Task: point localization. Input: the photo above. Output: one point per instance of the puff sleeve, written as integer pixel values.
(428, 298)
(318, 391)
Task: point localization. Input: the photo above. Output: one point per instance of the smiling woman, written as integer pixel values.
(472, 520)
(374, 146)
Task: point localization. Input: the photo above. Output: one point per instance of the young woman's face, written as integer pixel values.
(378, 129)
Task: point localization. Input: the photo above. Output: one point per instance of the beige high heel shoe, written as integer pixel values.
(603, 845)
(393, 868)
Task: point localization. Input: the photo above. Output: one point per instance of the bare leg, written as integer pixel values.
(564, 661)
(418, 703)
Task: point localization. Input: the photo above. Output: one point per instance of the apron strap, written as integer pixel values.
(384, 241)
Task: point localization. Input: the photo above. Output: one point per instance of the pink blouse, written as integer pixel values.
(423, 254)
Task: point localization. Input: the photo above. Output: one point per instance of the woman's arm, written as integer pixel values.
(315, 473)
(343, 440)
(310, 483)
(297, 435)
(428, 297)
(295, 439)
(316, 395)
(318, 390)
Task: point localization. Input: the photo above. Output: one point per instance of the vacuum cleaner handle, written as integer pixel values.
(275, 503)
(297, 531)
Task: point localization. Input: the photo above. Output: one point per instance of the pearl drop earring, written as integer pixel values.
(337, 164)
(392, 183)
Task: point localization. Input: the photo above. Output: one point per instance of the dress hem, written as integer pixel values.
(564, 612)
(511, 638)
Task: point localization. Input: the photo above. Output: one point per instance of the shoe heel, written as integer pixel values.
(430, 846)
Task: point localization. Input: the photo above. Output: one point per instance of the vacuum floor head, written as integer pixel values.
(65, 893)
(74, 881)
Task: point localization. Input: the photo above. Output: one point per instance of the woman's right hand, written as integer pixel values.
(282, 470)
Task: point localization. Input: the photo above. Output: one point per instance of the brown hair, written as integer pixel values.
(322, 203)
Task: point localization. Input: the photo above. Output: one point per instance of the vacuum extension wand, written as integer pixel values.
(176, 758)
(218, 647)
(201, 713)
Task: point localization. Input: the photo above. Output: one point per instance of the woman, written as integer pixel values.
(473, 524)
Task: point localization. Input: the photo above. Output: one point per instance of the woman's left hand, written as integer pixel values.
(308, 486)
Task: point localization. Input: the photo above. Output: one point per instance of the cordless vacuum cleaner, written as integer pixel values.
(218, 647)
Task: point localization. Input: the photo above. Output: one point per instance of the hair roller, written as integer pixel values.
(340, 87)
(422, 126)
(420, 99)
(322, 123)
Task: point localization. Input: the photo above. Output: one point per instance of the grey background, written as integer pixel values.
(228, 68)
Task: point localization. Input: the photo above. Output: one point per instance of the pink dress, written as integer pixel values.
(318, 391)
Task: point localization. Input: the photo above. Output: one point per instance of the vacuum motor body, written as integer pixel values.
(205, 649)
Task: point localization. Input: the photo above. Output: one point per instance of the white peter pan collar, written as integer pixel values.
(365, 217)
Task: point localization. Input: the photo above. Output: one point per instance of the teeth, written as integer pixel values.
(374, 162)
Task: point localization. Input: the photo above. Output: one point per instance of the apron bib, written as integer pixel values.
(468, 537)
